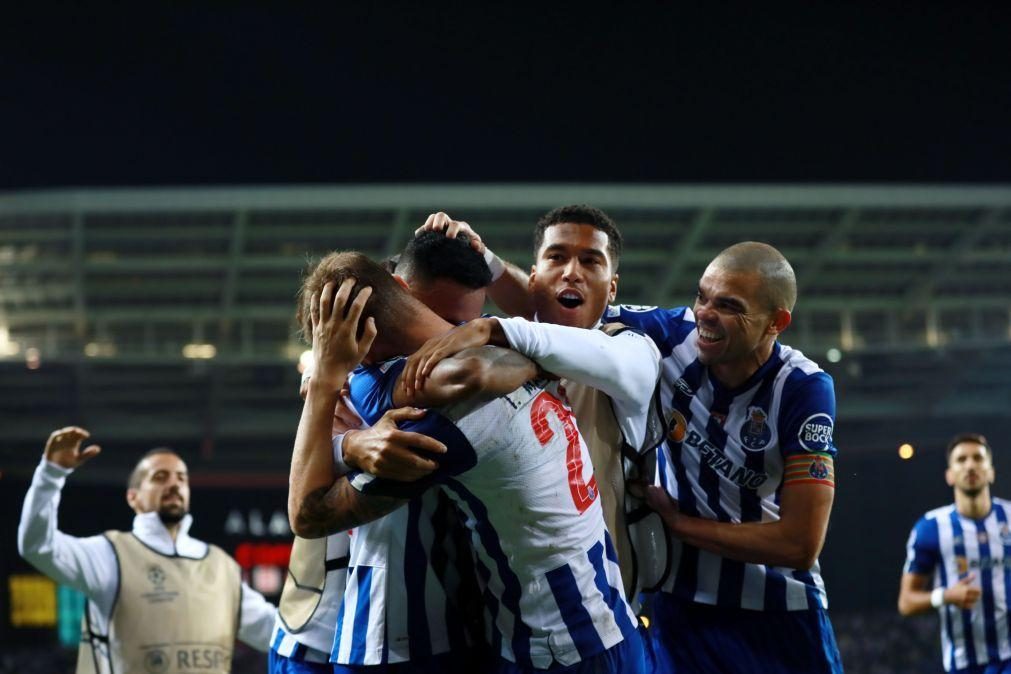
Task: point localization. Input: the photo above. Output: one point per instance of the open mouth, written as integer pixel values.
(570, 299)
(709, 337)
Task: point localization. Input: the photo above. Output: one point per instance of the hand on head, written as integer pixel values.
(441, 222)
(337, 349)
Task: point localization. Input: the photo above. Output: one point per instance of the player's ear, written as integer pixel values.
(131, 497)
(781, 319)
(949, 477)
(612, 290)
(402, 282)
(531, 278)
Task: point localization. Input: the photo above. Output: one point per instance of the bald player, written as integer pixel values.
(747, 480)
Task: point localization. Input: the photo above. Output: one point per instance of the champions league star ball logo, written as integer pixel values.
(755, 433)
(156, 661)
(156, 576)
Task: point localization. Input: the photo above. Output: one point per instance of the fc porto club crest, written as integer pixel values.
(819, 469)
(755, 433)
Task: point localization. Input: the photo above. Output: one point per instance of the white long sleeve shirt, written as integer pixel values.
(89, 564)
(626, 366)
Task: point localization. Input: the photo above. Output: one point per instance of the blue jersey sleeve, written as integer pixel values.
(923, 548)
(372, 388)
(807, 414)
(666, 327)
(460, 457)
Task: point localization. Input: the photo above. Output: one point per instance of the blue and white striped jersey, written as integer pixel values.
(408, 572)
(946, 546)
(725, 454)
(520, 472)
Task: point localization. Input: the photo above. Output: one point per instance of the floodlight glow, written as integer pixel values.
(7, 347)
(33, 358)
(99, 349)
(906, 451)
(833, 355)
(200, 351)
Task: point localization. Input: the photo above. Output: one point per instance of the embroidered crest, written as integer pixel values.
(819, 469)
(755, 433)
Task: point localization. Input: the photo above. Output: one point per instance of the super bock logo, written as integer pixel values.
(815, 434)
(755, 433)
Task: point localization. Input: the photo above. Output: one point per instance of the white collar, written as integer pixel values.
(150, 530)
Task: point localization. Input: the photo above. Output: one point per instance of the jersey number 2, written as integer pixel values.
(583, 494)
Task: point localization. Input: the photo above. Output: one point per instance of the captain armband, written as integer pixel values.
(810, 468)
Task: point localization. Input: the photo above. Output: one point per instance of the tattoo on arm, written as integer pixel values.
(339, 507)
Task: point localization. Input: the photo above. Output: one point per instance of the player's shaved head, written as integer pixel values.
(778, 282)
(390, 304)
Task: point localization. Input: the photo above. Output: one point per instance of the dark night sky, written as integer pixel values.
(192, 94)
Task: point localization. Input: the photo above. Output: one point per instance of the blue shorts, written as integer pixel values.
(624, 658)
(690, 638)
(279, 664)
(444, 663)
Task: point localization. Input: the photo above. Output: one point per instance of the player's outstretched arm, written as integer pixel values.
(475, 333)
(479, 373)
(509, 288)
(794, 541)
(337, 350)
(623, 363)
(917, 596)
(86, 564)
(256, 619)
